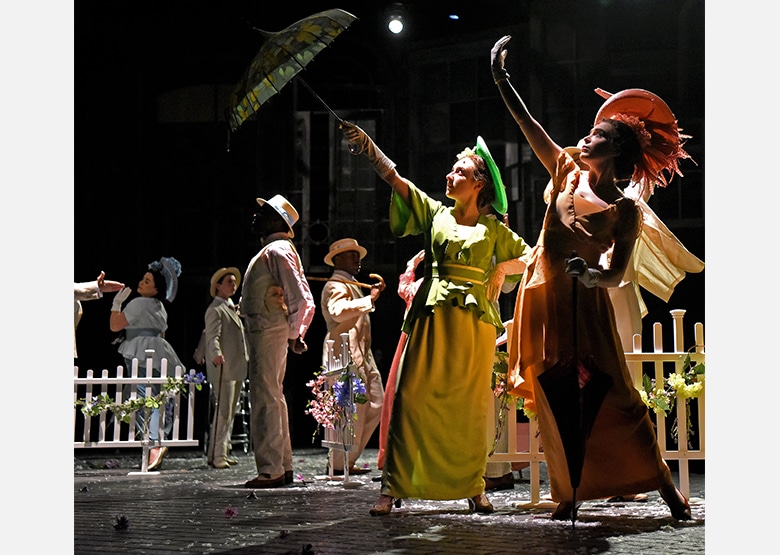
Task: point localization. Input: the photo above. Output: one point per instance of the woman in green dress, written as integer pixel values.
(437, 447)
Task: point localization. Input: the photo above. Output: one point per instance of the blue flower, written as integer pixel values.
(194, 378)
(342, 394)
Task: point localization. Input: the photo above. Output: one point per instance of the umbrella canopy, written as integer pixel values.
(281, 57)
(575, 389)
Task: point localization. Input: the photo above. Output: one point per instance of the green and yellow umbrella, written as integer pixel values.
(281, 57)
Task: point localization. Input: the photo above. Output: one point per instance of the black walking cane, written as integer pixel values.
(212, 440)
(575, 389)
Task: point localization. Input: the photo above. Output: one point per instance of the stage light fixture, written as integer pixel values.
(396, 24)
(396, 18)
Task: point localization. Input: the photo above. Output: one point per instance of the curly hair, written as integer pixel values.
(660, 149)
(155, 268)
(487, 195)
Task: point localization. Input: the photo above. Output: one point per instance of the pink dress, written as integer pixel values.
(407, 287)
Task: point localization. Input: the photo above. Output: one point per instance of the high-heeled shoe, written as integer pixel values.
(156, 455)
(564, 510)
(384, 505)
(677, 502)
(480, 504)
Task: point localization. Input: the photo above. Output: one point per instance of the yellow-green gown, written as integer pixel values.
(437, 443)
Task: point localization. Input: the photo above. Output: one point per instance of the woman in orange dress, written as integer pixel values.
(588, 214)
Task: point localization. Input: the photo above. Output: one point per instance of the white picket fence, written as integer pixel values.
(105, 430)
(523, 439)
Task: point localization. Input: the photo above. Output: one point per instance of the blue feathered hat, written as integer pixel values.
(170, 268)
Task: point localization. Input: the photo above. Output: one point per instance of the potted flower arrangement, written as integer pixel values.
(335, 398)
(498, 385)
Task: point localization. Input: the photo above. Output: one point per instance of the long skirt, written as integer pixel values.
(437, 444)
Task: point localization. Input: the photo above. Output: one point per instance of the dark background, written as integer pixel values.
(153, 176)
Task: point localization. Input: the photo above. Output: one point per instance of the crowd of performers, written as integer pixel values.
(577, 306)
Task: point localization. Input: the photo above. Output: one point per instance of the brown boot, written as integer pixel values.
(480, 504)
(507, 481)
(265, 481)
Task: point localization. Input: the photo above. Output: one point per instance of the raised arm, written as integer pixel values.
(118, 320)
(361, 143)
(544, 147)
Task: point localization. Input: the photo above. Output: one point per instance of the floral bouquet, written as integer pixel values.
(335, 401)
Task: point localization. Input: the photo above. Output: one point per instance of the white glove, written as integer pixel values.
(497, 274)
(577, 267)
(361, 143)
(119, 298)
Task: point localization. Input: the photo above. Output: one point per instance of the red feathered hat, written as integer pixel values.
(656, 128)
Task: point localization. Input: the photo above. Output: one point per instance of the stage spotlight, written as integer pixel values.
(396, 24)
(396, 16)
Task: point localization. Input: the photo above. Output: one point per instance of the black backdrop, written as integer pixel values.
(145, 189)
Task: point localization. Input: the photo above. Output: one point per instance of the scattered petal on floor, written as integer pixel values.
(122, 523)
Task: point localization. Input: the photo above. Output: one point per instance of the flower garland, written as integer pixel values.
(331, 406)
(123, 411)
(684, 385)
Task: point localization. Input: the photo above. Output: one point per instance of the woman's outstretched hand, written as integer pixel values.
(357, 138)
(497, 57)
(360, 143)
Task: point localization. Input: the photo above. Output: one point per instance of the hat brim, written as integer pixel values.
(500, 202)
(329, 257)
(263, 202)
(643, 104)
(218, 276)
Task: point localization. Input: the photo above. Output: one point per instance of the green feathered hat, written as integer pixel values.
(499, 204)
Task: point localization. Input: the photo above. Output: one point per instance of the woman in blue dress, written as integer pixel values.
(144, 321)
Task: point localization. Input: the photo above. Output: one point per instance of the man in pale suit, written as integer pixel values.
(88, 291)
(277, 308)
(346, 310)
(226, 362)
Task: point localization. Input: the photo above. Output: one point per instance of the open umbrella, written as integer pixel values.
(281, 57)
(575, 389)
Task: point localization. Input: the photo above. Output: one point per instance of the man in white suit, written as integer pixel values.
(346, 310)
(88, 291)
(277, 308)
(226, 362)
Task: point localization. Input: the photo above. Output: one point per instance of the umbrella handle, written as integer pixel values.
(315, 95)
